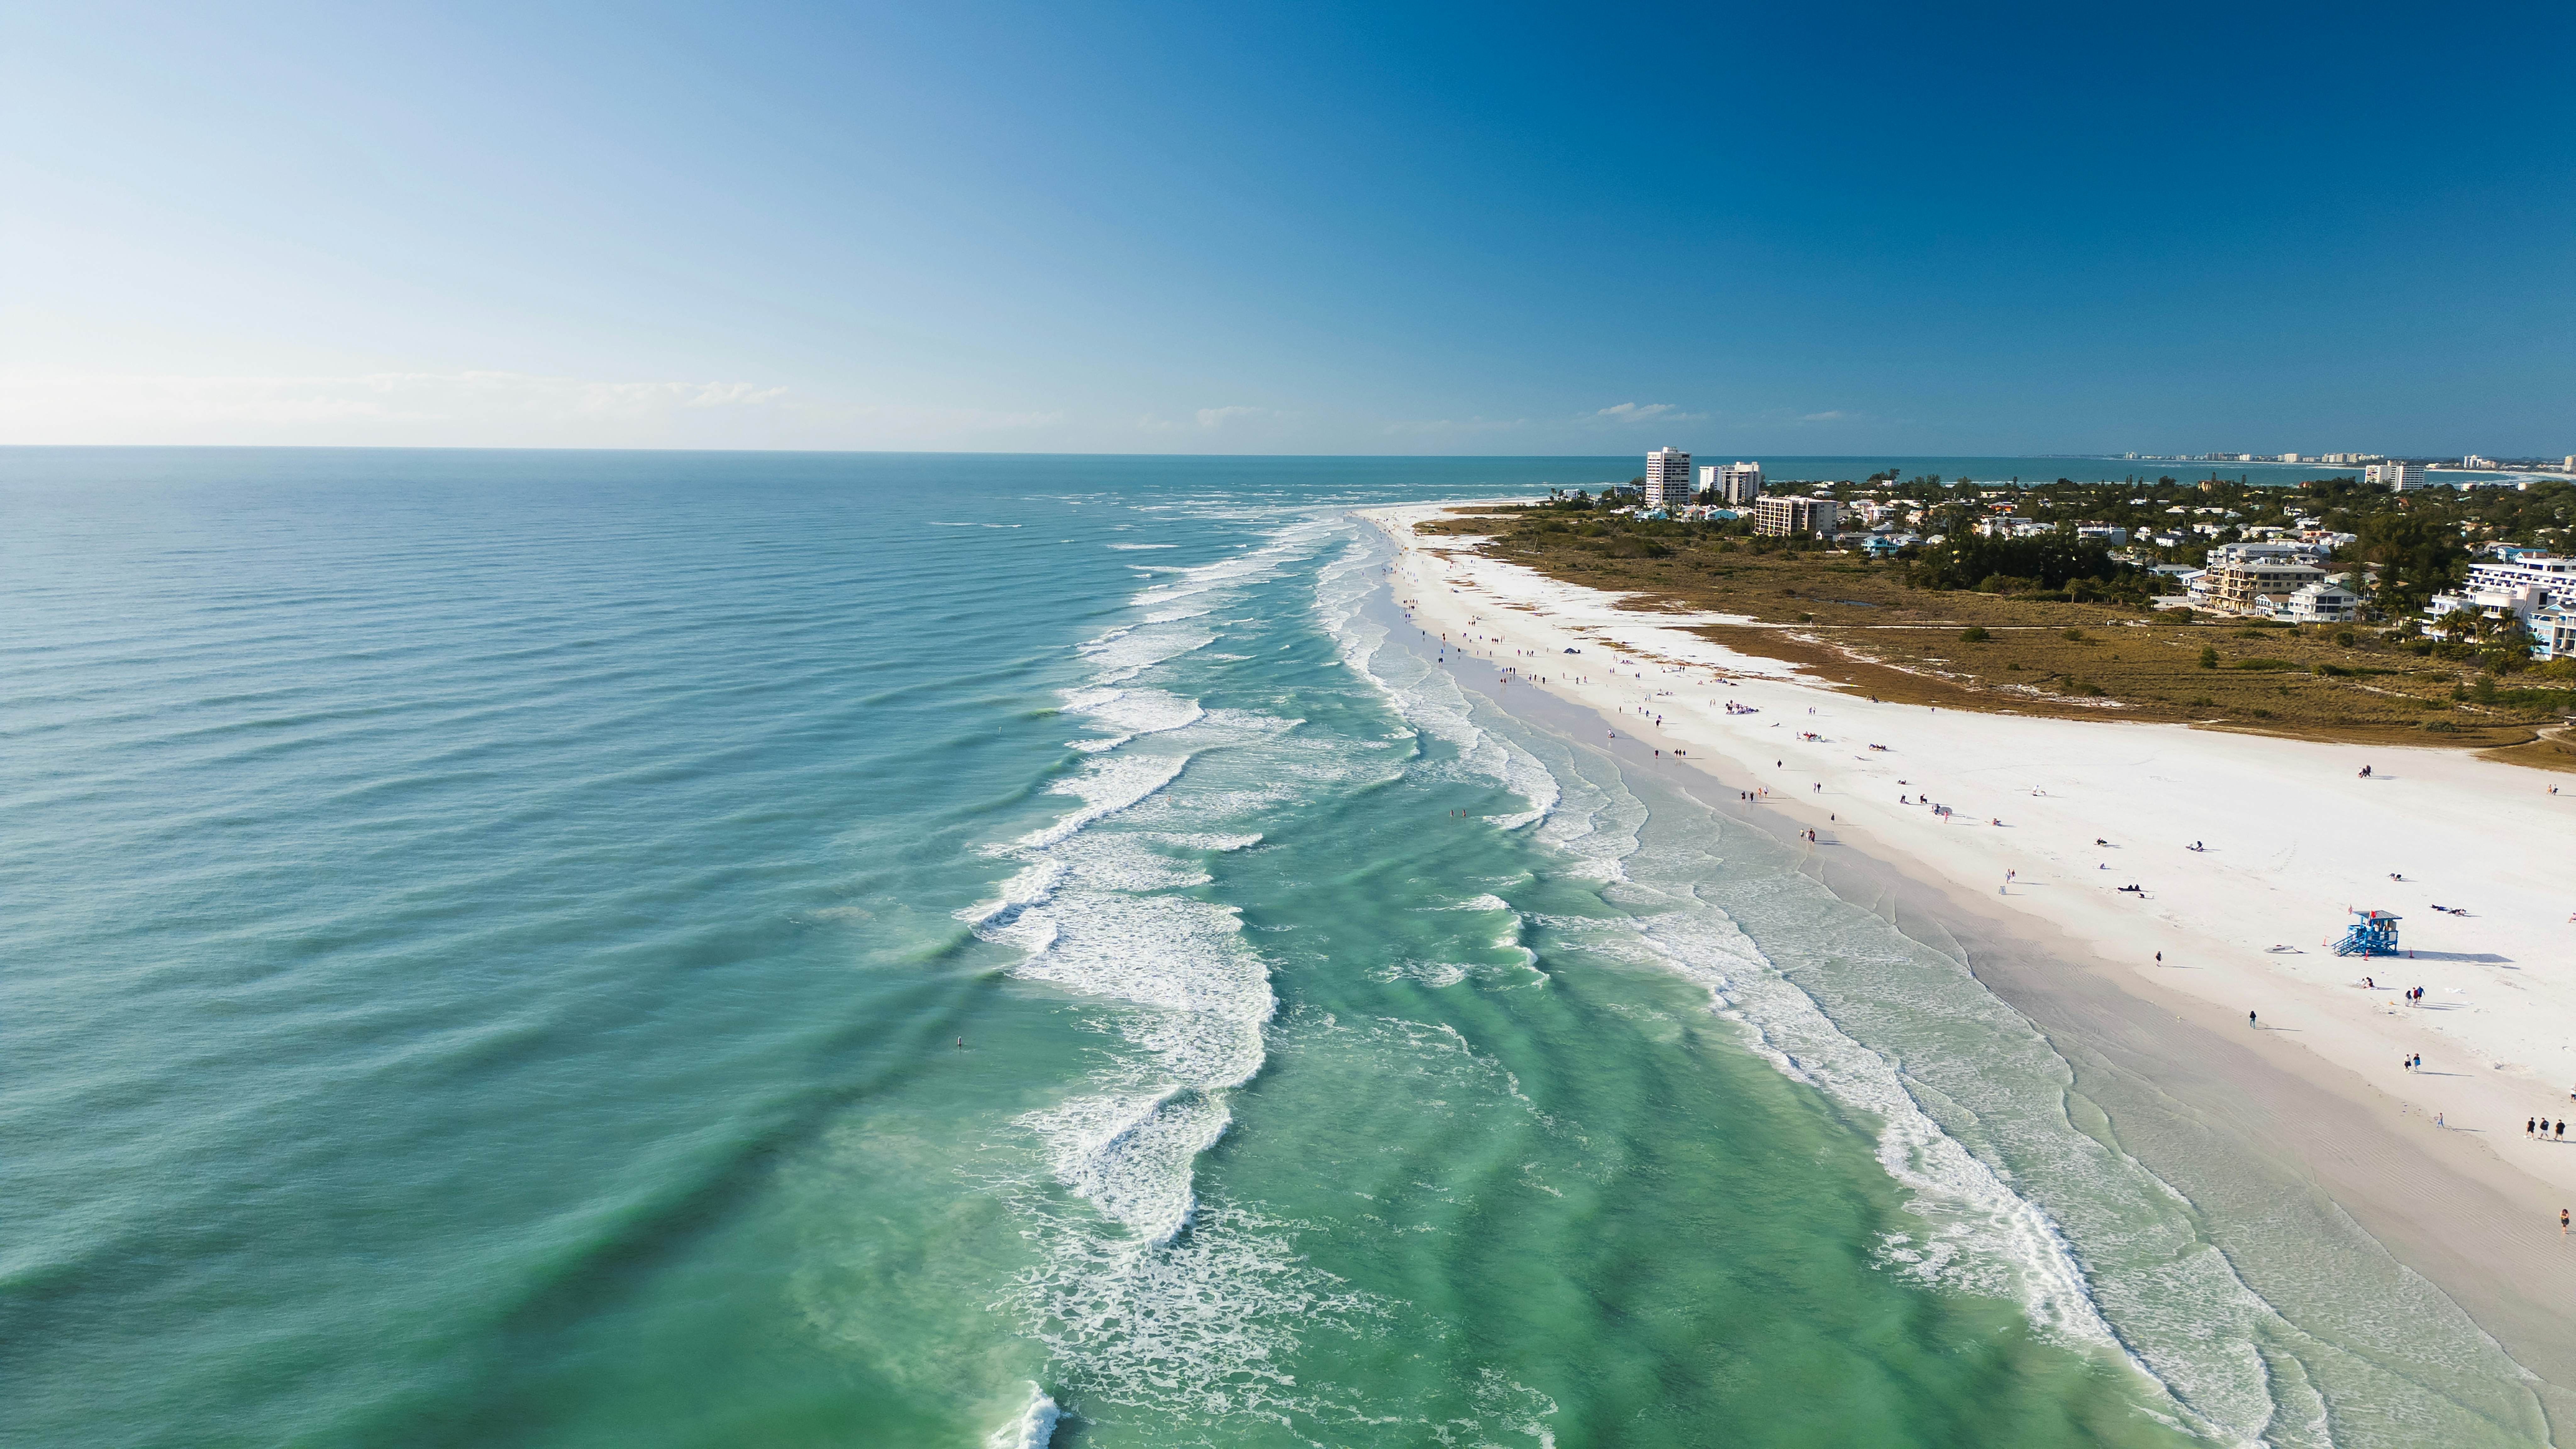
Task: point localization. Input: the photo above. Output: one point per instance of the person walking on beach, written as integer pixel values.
(2527, 1128)
(2249, 1021)
(2562, 1212)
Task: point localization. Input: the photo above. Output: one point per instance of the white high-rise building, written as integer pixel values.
(2399, 476)
(1668, 479)
(1739, 485)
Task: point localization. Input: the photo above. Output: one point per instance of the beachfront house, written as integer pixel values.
(2323, 602)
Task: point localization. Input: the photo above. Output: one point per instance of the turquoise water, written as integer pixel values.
(589, 949)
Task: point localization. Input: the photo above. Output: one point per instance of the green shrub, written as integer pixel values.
(2262, 664)
(2209, 656)
(1974, 634)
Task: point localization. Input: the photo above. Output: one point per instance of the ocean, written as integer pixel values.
(675, 949)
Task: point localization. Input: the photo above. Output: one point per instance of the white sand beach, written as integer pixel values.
(2049, 818)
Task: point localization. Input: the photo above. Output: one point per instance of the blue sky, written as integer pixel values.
(1308, 228)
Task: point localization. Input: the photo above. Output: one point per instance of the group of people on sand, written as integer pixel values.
(2541, 1128)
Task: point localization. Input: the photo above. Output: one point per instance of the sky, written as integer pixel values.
(1313, 228)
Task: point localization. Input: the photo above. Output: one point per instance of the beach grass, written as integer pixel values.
(1854, 622)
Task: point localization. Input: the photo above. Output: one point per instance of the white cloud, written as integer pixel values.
(1835, 415)
(488, 409)
(1628, 412)
(362, 408)
(1453, 425)
(1219, 417)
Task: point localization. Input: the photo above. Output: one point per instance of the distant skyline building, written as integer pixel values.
(1738, 484)
(1668, 482)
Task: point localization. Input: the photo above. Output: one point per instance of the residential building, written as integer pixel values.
(1668, 480)
(2553, 633)
(2239, 585)
(2102, 533)
(1739, 484)
(2552, 576)
(2289, 457)
(2473, 460)
(2269, 551)
(2004, 525)
(2525, 602)
(2323, 602)
(2398, 476)
(1782, 514)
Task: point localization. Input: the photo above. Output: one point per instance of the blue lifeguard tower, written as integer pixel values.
(2375, 934)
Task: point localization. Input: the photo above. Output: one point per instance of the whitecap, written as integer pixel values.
(1033, 1429)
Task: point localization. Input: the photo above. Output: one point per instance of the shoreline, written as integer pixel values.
(2294, 836)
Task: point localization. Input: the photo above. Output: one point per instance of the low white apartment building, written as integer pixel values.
(1782, 514)
(1668, 480)
(2525, 603)
(2399, 476)
(2553, 576)
(2102, 533)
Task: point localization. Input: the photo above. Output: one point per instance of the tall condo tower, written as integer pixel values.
(1739, 485)
(1668, 482)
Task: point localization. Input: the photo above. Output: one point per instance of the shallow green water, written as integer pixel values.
(601, 949)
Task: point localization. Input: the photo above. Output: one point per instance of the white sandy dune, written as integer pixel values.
(2294, 837)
